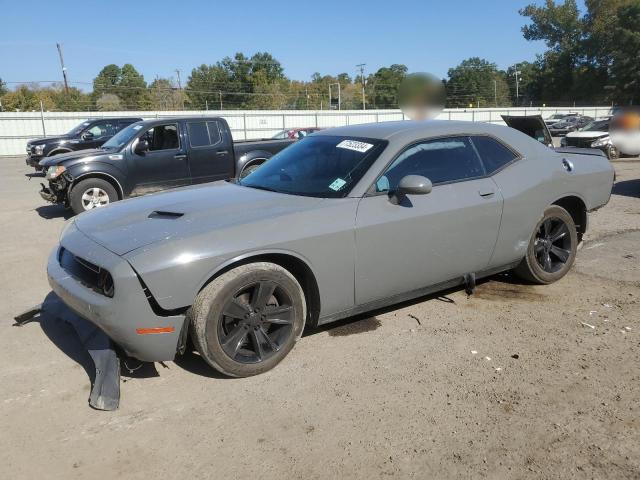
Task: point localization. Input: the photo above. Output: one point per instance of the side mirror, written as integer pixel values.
(141, 147)
(414, 185)
(87, 136)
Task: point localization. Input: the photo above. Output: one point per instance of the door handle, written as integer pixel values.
(180, 156)
(220, 153)
(568, 166)
(486, 192)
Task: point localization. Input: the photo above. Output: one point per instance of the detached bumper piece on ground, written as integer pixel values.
(105, 390)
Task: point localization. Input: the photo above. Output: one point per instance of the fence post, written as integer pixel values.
(44, 130)
(244, 124)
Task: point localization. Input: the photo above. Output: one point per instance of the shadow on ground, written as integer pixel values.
(56, 317)
(627, 188)
(54, 211)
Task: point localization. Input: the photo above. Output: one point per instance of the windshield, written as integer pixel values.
(281, 134)
(597, 126)
(317, 166)
(121, 138)
(78, 128)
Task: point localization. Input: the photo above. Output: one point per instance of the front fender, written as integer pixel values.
(80, 171)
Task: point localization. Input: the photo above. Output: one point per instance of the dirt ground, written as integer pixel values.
(516, 381)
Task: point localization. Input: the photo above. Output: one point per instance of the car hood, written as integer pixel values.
(131, 224)
(589, 134)
(40, 141)
(65, 157)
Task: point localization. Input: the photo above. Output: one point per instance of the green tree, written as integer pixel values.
(625, 67)
(382, 86)
(3, 87)
(126, 82)
(477, 81)
(25, 98)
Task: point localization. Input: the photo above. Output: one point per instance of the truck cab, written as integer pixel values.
(150, 156)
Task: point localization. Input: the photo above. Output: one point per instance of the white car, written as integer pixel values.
(593, 135)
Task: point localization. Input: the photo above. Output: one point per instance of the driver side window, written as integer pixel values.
(102, 129)
(440, 160)
(162, 137)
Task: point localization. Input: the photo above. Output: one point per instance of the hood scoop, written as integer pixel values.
(165, 214)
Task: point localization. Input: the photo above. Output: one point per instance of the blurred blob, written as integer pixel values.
(625, 131)
(421, 96)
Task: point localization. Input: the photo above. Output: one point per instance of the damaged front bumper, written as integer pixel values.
(127, 317)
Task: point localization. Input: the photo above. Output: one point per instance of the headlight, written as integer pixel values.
(38, 149)
(601, 142)
(55, 171)
(563, 142)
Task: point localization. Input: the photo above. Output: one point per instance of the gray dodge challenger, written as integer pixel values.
(347, 220)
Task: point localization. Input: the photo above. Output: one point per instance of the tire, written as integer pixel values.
(613, 153)
(230, 324)
(561, 252)
(91, 193)
(249, 169)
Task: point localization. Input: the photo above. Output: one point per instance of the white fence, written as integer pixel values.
(16, 128)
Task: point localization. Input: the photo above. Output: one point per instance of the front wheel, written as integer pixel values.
(91, 193)
(552, 248)
(248, 319)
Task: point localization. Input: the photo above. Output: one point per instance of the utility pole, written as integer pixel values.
(495, 92)
(220, 94)
(517, 75)
(64, 69)
(361, 67)
(180, 88)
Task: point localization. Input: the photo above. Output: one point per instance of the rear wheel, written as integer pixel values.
(250, 168)
(552, 248)
(91, 193)
(248, 319)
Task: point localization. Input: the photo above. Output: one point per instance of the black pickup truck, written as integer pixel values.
(89, 134)
(153, 155)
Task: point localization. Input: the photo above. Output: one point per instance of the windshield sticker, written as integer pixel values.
(337, 184)
(354, 145)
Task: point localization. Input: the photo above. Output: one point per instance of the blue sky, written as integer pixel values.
(326, 36)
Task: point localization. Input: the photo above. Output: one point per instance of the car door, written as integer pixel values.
(164, 165)
(405, 244)
(210, 154)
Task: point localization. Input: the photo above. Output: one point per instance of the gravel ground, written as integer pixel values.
(516, 381)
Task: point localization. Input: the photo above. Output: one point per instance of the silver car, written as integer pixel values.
(344, 221)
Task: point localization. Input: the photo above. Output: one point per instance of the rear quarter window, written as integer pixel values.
(494, 154)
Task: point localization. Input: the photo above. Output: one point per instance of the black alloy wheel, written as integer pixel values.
(552, 245)
(255, 322)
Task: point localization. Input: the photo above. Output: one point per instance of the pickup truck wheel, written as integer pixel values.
(552, 248)
(248, 319)
(91, 193)
(250, 168)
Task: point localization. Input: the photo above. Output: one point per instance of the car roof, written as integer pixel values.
(413, 128)
(133, 119)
